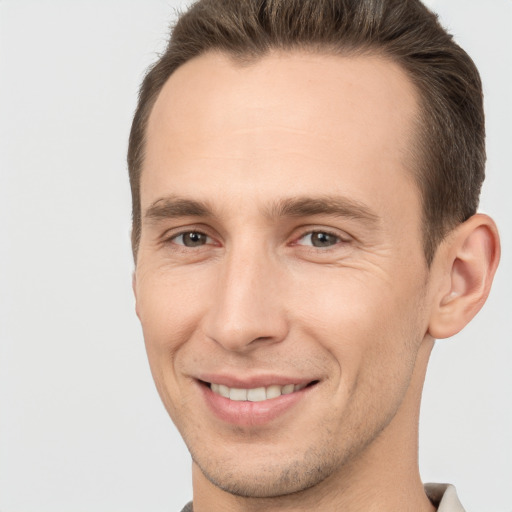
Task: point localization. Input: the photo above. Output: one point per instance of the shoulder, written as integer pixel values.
(444, 497)
(188, 507)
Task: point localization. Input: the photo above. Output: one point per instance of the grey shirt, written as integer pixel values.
(443, 496)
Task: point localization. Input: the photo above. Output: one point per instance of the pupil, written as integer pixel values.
(193, 239)
(322, 239)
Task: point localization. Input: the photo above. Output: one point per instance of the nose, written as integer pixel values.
(248, 310)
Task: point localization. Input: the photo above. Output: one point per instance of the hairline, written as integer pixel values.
(414, 161)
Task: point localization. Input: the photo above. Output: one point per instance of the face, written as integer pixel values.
(280, 281)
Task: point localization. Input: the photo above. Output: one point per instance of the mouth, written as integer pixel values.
(256, 394)
(254, 401)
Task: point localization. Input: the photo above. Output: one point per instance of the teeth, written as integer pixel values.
(273, 391)
(237, 394)
(288, 389)
(255, 394)
(223, 390)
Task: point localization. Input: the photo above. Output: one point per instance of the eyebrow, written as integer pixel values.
(337, 206)
(173, 207)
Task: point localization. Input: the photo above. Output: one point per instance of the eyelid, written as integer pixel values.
(170, 235)
(178, 235)
(343, 237)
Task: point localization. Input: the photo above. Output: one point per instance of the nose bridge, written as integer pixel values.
(247, 309)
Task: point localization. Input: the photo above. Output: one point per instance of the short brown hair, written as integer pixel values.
(450, 143)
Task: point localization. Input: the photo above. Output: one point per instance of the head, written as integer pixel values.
(304, 176)
(449, 148)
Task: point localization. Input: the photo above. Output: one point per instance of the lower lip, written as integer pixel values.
(245, 413)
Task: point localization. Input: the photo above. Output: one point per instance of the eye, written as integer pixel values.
(319, 239)
(191, 239)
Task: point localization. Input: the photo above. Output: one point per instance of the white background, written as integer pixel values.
(81, 426)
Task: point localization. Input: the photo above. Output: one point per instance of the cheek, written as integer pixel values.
(372, 334)
(366, 324)
(168, 312)
(169, 309)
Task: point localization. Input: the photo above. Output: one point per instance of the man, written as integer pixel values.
(305, 177)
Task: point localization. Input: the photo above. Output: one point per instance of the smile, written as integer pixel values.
(255, 402)
(259, 394)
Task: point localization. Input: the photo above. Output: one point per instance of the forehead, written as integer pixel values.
(287, 121)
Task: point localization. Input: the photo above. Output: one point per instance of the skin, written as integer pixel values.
(255, 297)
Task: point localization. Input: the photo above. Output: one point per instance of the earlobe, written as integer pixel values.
(468, 260)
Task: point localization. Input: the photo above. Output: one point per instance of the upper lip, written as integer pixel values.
(254, 381)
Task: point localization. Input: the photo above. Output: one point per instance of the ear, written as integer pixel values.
(465, 262)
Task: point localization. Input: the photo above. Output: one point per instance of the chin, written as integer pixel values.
(270, 479)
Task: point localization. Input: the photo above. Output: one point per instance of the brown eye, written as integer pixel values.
(191, 239)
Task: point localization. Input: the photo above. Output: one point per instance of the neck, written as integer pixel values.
(385, 477)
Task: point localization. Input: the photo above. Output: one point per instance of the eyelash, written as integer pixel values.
(339, 239)
(172, 238)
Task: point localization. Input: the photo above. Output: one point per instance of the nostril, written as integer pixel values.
(262, 338)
